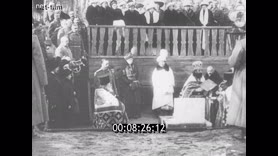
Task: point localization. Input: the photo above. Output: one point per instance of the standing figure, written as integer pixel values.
(131, 16)
(48, 16)
(163, 82)
(159, 4)
(91, 13)
(54, 27)
(66, 28)
(204, 17)
(39, 80)
(237, 112)
(151, 15)
(141, 10)
(189, 13)
(76, 42)
(131, 94)
(170, 14)
(63, 49)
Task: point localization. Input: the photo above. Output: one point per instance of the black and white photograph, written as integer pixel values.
(138, 77)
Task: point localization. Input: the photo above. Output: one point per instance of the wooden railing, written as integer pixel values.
(179, 41)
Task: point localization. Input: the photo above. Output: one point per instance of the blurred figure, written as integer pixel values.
(169, 14)
(204, 17)
(152, 15)
(237, 111)
(63, 49)
(131, 86)
(54, 28)
(72, 16)
(213, 75)
(159, 4)
(49, 14)
(64, 30)
(189, 13)
(76, 44)
(131, 16)
(39, 81)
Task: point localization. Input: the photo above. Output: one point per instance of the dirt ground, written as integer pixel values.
(91, 143)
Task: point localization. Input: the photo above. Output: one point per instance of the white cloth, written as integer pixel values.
(204, 19)
(105, 99)
(163, 88)
(155, 17)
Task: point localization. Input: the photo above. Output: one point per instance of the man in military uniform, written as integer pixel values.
(76, 43)
(131, 87)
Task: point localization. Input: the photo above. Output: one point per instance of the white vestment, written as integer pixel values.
(163, 88)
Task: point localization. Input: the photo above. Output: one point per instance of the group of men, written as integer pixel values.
(207, 13)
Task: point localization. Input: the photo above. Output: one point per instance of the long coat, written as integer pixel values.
(163, 88)
(132, 18)
(237, 111)
(39, 80)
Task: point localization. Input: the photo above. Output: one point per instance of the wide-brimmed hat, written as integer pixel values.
(159, 2)
(204, 2)
(150, 6)
(187, 3)
(139, 5)
(170, 4)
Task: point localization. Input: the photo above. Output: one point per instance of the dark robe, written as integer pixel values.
(190, 17)
(105, 16)
(161, 17)
(131, 90)
(215, 77)
(70, 105)
(116, 14)
(182, 20)
(170, 18)
(55, 101)
(210, 19)
(132, 18)
(91, 15)
(142, 20)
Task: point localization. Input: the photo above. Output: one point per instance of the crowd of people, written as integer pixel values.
(207, 13)
(60, 70)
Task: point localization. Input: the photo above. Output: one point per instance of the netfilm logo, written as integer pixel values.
(48, 7)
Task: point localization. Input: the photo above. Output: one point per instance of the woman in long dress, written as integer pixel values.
(237, 112)
(163, 87)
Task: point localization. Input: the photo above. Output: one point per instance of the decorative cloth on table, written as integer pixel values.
(108, 110)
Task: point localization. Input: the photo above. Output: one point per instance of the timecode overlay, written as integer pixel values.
(139, 128)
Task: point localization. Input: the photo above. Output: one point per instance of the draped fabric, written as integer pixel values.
(108, 110)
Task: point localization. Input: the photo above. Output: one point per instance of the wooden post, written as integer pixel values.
(214, 37)
(101, 42)
(183, 42)
(228, 50)
(221, 42)
(150, 42)
(167, 39)
(198, 42)
(110, 41)
(207, 35)
(142, 44)
(135, 37)
(94, 41)
(190, 42)
(118, 45)
(175, 42)
(126, 49)
(89, 39)
(158, 41)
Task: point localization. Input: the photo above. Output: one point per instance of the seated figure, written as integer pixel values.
(108, 109)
